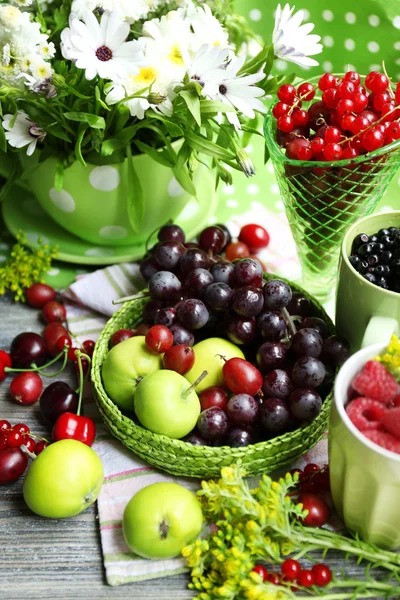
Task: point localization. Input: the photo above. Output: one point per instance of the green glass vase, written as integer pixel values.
(322, 199)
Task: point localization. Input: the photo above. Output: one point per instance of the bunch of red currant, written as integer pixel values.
(292, 572)
(348, 120)
(17, 442)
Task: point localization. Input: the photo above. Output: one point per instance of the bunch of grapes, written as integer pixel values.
(290, 352)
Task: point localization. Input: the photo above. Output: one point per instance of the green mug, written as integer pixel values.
(365, 313)
(365, 478)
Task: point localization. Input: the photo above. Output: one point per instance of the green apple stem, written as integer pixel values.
(133, 297)
(82, 378)
(289, 321)
(187, 392)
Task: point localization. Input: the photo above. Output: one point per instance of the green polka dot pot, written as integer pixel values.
(93, 203)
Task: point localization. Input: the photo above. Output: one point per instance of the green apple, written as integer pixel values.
(209, 356)
(124, 367)
(161, 519)
(63, 480)
(164, 403)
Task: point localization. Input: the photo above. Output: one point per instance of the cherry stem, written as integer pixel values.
(289, 321)
(190, 389)
(129, 298)
(82, 378)
(35, 369)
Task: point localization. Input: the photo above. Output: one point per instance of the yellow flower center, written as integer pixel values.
(146, 75)
(175, 55)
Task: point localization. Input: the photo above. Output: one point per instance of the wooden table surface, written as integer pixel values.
(46, 558)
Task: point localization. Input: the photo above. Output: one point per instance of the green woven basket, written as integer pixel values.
(184, 459)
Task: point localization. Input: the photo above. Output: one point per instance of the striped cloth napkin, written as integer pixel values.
(89, 305)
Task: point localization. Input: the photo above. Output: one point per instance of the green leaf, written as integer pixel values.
(264, 59)
(121, 140)
(193, 103)
(12, 177)
(183, 178)
(58, 132)
(214, 106)
(173, 128)
(266, 154)
(92, 120)
(250, 130)
(78, 144)
(135, 195)
(96, 137)
(59, 176)
(99, 101)
(161, 156)
(3, 141)
(201, 144)
(183, 155)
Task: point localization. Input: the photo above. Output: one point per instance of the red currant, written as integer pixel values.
(15, 439)
(274, 578)
(311, 468)
(326, 82)
(30, 444)
(261, 570)
(345, 105)
(53, 312)
(306, 578)
(352, 76)
(335, 118)
(380, 100)
(299, 471)
(330, 97)
(21, 427)
(62, 342)
(322, 574)
(40, 446)
(360, 101)
(369, 78)
(350, 152)
(317, 145)
(3, 441)
(291, 569)
(280, 109)
(318, 511)
(346, 89)
(347, 122)
(254, 236)
(4, 425)
(372, 139)
(287, 93)
(285, 124)
(359, 124)
(393, 130)
(397, 93)
(305, 153)
(332, 152)
(378, 83)
(159, 339)
(26, 388)
(88, 347)
(306, 91)
(388, 111)
(332, 135)
(300, 117)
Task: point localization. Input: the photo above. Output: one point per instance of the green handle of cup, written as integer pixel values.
(379, 329)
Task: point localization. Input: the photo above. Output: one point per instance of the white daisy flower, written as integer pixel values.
(207, 29)
(237, 91)
(47, 50)
(131, 10)
(23, 132)
(100, 48)
(10, 17)
(22, 2)
(292, 41)
(207, 63)
(39, 68)
(6, 55)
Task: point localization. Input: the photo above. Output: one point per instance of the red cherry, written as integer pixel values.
(331, 97)
(213, 396)
(305, 153)
(293, 147)
(5, 361)
(291, 569)
(345, 105)
(360, 101)
(280, 109)
(159, 339)
(306, 91)
(372, 139)
(71, 353)
(311, 468)
(261, 570)
(3, 441)
(53, 312)
(30, 444)
(352, 76)
(332, 152)
(13, 463)
(241, 377)
(322, 574)
(306, 578)
(39, 294)
(84, 363)
(287, 93)
(300, 117)
(62, 342)
(326, 82)
(332, 135)
(254, 236)
(120, 336)
(40, 446)
(51, 334)
(317, 145)
(15, 439)
(237, 250)
(88, 347)
(299, 471)
(318, 511)
(26, 388)
(4, 425)
(285, 124)
(378, 83)
(179, 358)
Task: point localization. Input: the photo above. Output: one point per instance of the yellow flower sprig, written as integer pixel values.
(25, 266)
(391, 357)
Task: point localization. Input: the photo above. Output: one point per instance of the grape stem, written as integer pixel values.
(133, 297)
(190, 389)
(289, 321)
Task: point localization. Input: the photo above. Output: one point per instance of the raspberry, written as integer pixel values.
(376, 382)
(385, 440)
(365, 414)
(391, 421)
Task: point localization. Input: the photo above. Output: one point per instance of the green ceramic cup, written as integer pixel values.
(365, 313)
(93, 202)
(365, 478)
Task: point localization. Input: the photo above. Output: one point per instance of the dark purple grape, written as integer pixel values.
(198, 280)
(248, 272)
(191, 245)
(305, 404)
(164, 285)
(192, 313)
(223, 272)
(299, 305)
(241, 330)
(181, 335)
(242, 409)
(218, 296)
(195, 439)
(148, 267)
(247, 301)
(308, 372)
(239, 437)
(272, 325)
(165, 316)
(212, 423)
(228, 237)
(212, 239)
(271, 355)
(171, 233)
(277, 384)
(193, 258)
(307, 342)
(274, 415)
(27, 348)
(167, 254)
(326, 385)
(150, 310)
(315, 323)
(335, 350)
(277, 294)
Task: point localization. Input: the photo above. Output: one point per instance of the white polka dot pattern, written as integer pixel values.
(113, 232)
(104, 178)
(62, 200)
(175, 188)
